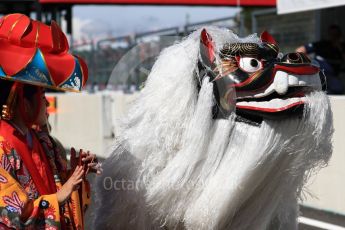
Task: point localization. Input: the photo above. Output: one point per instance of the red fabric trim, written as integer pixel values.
(269, 110)
(14, 58)
(170, 2)
(60, 66)
(20, 39)
(47, 174)
(7, 23)
(298, 70)
(19, 143)
(18, 30)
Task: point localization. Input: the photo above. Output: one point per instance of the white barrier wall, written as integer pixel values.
(89, 121)
(328, 186)
(78, 121)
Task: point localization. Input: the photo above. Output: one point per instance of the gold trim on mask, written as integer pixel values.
(248, 49)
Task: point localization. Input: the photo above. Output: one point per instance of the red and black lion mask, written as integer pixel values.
(256, 81)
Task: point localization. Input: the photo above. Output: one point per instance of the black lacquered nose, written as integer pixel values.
(296, 58)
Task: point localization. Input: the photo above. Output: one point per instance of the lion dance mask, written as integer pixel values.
(224, 135)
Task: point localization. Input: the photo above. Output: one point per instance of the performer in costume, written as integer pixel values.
(224, 135)
(36, 189)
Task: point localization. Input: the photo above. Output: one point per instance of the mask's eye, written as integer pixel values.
(249, 64)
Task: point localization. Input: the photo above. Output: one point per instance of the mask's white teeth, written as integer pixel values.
(293, 80)
(281, 82)
(276, 103)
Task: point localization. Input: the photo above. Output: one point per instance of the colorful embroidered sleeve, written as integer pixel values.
(76, 206)
(17, 210)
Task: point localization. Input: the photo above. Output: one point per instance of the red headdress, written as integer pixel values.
(34, 53)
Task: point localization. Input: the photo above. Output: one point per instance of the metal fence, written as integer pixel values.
(124, 62)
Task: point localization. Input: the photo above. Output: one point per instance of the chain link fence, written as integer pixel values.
(137, 51)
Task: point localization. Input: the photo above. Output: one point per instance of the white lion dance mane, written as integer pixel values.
(176, 167)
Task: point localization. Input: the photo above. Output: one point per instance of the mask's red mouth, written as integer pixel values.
(285, 96)
(273, 109)
(274, 103)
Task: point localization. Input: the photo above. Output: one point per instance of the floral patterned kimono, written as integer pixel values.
(31, 171)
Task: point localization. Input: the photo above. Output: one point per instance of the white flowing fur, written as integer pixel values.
(193, 172)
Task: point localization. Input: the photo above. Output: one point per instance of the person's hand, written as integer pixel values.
(87, 160)
(71, 185)
(90, 160)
